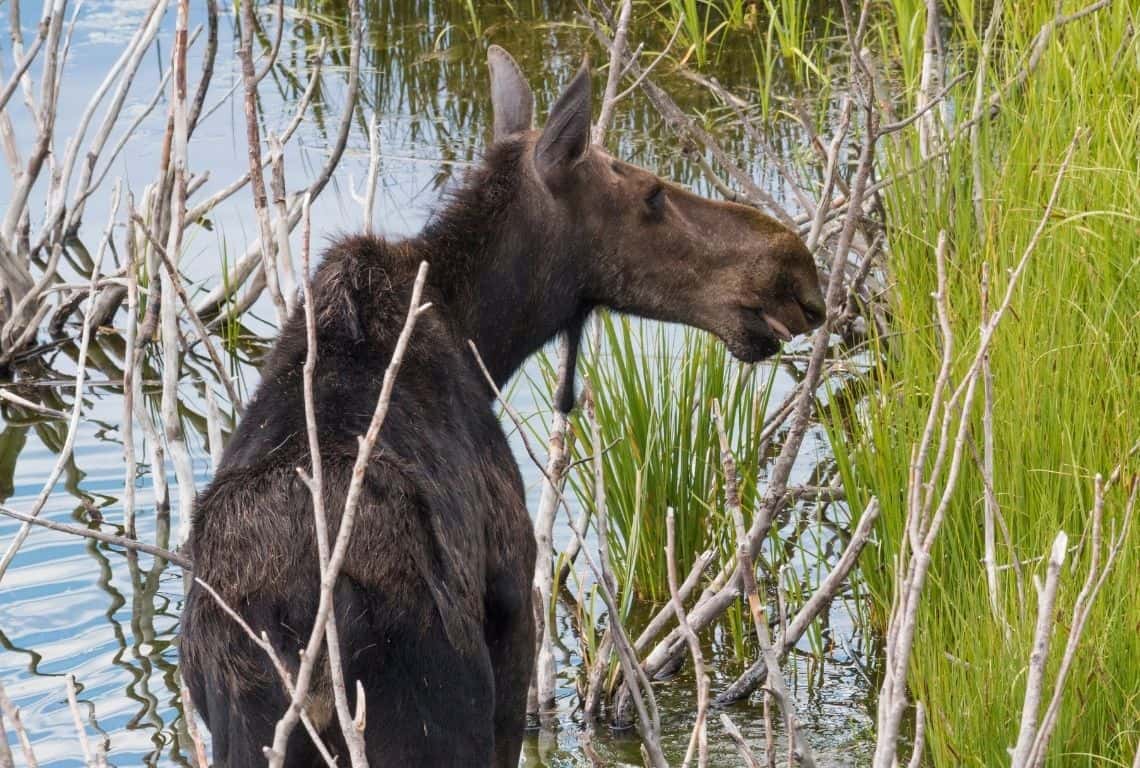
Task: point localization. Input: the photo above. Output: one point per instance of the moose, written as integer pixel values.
(434, 601)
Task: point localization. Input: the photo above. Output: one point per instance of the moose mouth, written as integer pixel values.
(759, 338)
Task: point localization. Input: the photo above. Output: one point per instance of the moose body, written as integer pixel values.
(433, 605)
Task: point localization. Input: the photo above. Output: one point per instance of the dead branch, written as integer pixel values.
(12, 713)
(354, 738)
(1046, 600)
(329, 576)
(106, 538)
(77, 407)
(700, 737)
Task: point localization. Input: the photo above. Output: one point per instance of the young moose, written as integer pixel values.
(434, 602)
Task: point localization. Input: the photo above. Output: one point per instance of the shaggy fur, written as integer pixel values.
(434, 603)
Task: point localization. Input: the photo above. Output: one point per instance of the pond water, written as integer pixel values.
(72, 606)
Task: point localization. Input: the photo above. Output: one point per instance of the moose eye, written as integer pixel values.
(656, 199)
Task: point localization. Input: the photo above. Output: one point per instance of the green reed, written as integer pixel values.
(655, 388)
(1065, 368)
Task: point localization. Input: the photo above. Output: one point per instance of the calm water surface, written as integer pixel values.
(70, 606)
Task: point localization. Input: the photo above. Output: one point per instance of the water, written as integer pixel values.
(72, 606)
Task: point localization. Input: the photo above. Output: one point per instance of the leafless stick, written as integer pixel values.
(77, 406)
(932, 68)
(553, 477)
(367, 201)
(106, 538)
(249, 262)
(1015, 274)
(919, 736)
(518, 420)
(262, 642)
(204, 207)
(833, 582)
(201, 760)
(276, 753)
(28, 405)
(43, 117)
(924, 519)
(1046, 599)
(356, 31)
(127, 429)
(738, 107)
(775, 680)
(649, 723)
(700, 737)
(653, 64)
(257, 179)
(77, 719)
(1082, 609)
(12, 713)
(207, 65)
(6, 760)
(738, 739)
(657, 625)
(284, 257)
(991, 504)
(168, 312)
(315, 482)
(595, 679)
(199, 327)
(213, 426)
(1038, 47)
(613, 76)
(976, 114)
(277, 36)
(59, 219)
(25, 62)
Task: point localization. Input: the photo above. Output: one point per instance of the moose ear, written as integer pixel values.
(566, 136)
(512, 101)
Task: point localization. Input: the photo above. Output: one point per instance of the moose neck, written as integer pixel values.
(505, 272)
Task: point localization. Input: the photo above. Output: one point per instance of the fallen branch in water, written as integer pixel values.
(107, 538)
(77, 406)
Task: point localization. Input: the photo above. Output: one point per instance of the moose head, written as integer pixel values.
(651, 247)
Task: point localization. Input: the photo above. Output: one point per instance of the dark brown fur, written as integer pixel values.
(434, 603)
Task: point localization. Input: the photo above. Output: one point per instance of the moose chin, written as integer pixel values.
(433, 604)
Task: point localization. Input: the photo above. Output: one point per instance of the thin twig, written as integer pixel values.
(276, 753)
(107, 538)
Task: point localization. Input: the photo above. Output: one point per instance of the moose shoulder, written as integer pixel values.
(434, 601)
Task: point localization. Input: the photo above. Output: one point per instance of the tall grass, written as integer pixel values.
(1066, 379)
(655, 388)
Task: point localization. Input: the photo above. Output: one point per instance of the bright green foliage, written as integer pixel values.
(1066, 368)
(655, 396)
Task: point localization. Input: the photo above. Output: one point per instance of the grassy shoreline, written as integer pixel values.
(1066, 401)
